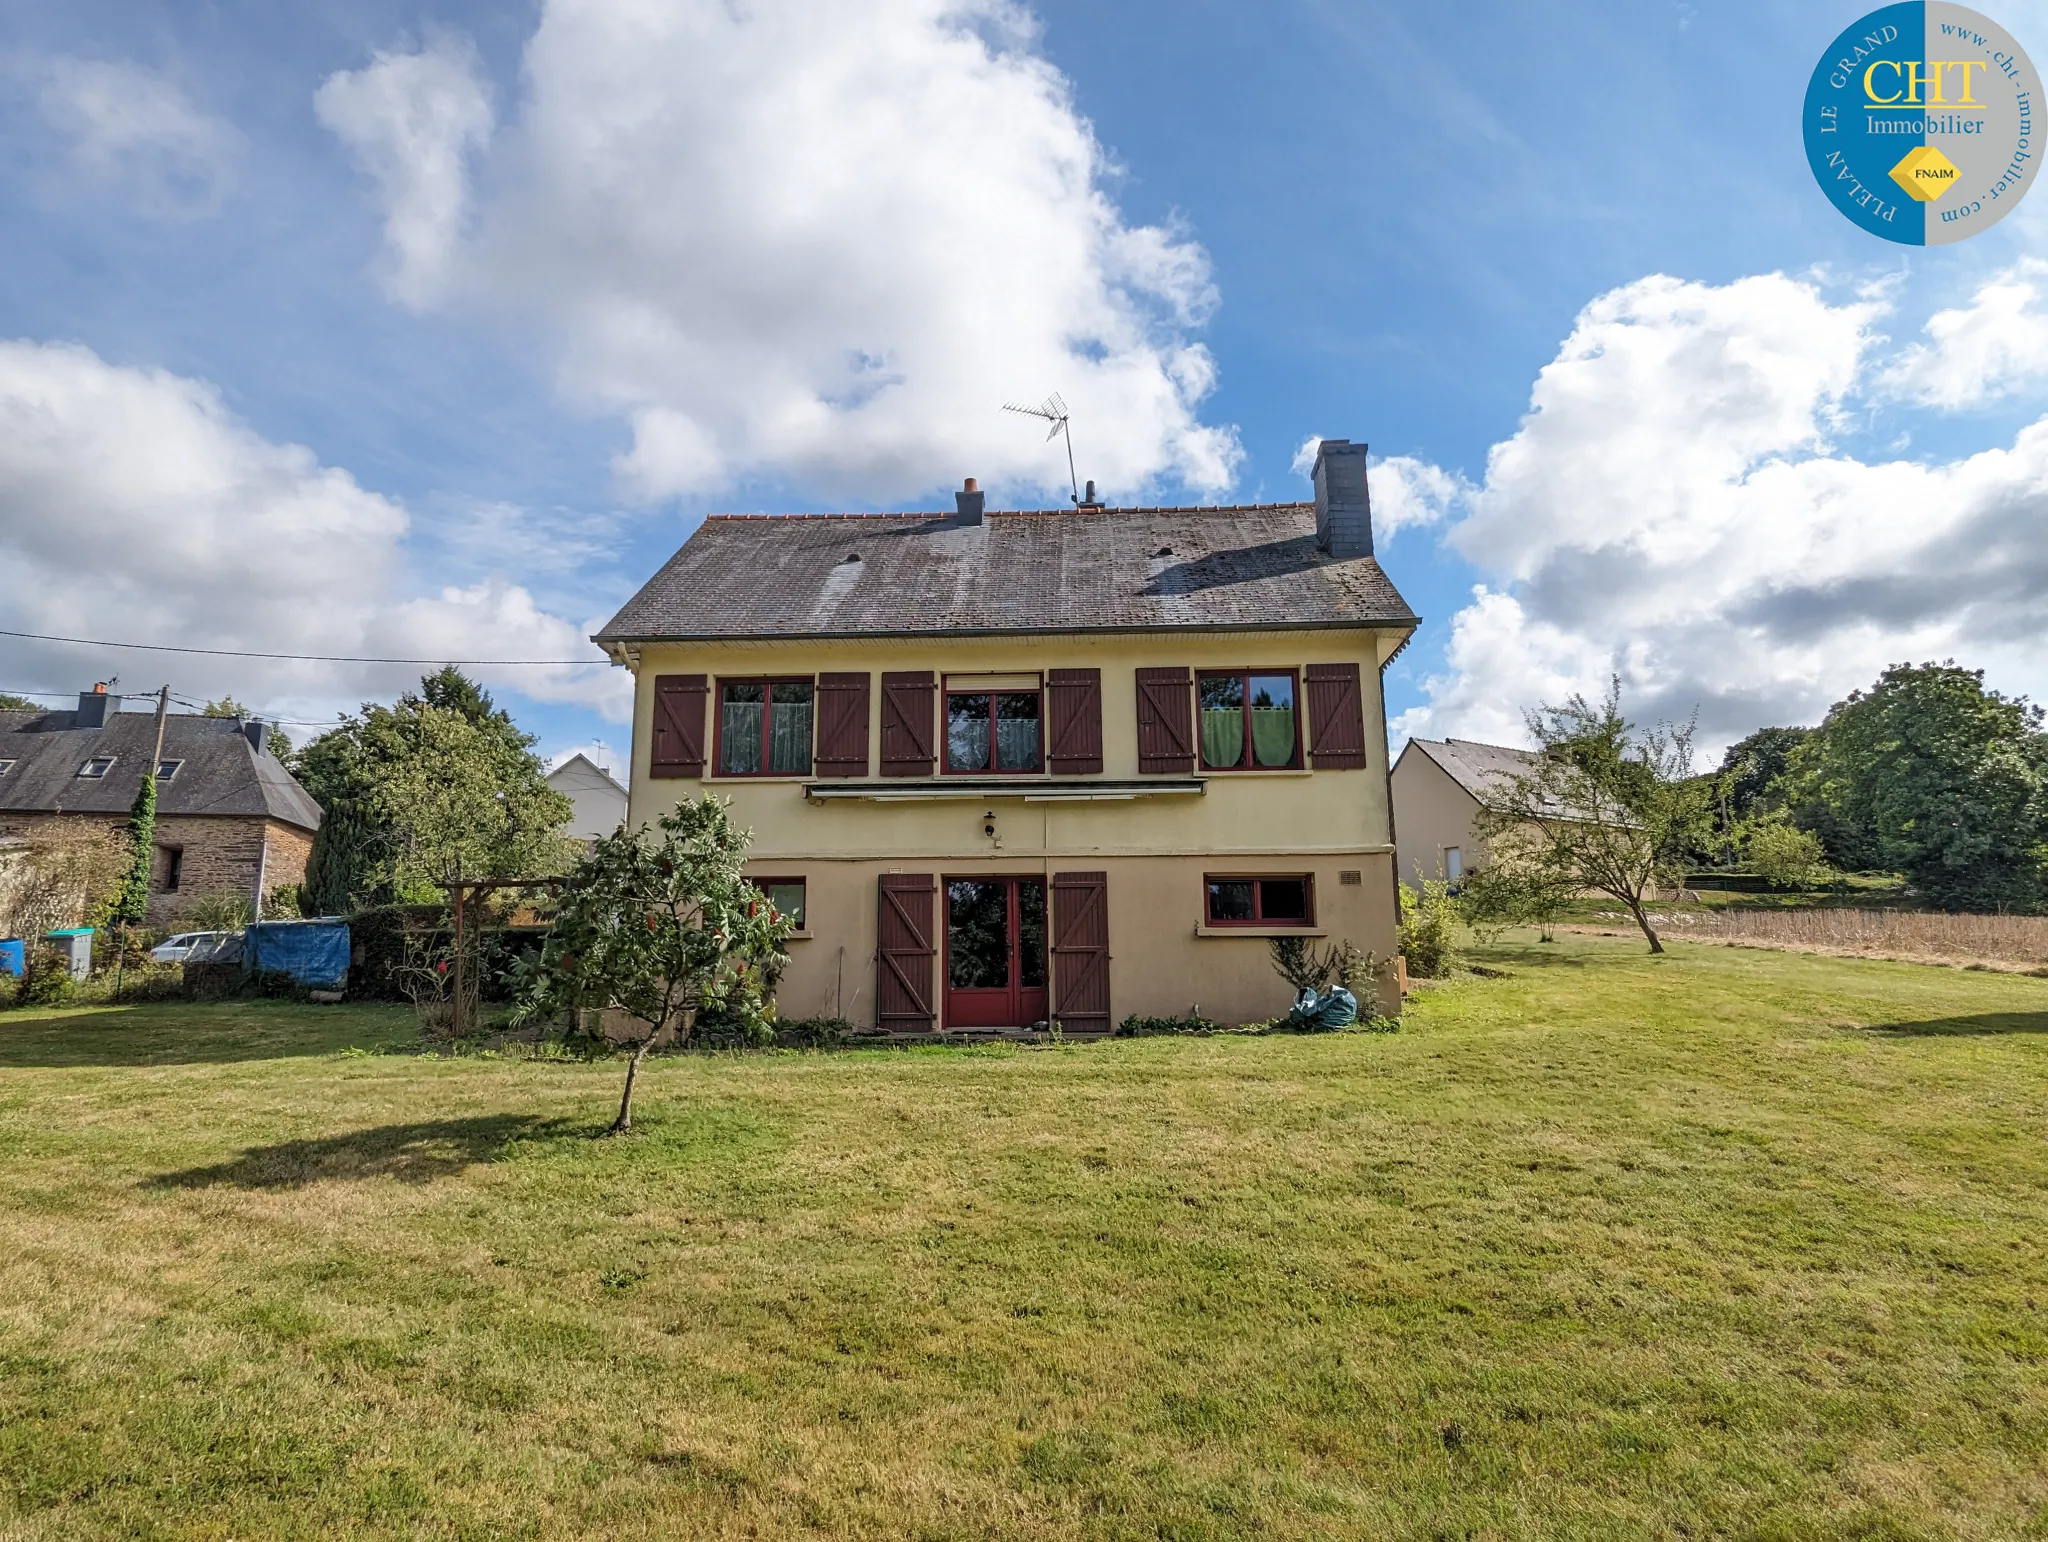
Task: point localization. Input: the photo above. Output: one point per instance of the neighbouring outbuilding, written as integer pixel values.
(599, 800)
(1010, 767)
(1440, 788)
(230, 818)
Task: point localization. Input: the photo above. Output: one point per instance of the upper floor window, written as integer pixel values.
(764, 727)
(994, 730)
(1248, 721)
(166, 769)
(97, 767)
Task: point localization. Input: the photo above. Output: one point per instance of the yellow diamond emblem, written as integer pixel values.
(1925, 173)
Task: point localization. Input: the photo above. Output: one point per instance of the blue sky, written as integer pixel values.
(379, 328)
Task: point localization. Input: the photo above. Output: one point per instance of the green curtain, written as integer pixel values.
(1273, 736)
(1223, 737)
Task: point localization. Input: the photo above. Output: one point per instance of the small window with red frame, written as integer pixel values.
(764, 728)
(994, 731)
(1262, 901)
(1248, 721)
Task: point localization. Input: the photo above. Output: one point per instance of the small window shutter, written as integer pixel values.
(907, 713)
(1336, 717)
(843, 724)
(1080, 951)
(904, 954)
(1166, 727)
(1073, 701)
(678, 748)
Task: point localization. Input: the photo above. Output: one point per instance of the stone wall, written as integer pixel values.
(216, 855)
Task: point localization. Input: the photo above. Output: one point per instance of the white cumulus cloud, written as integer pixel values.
(1674, 509)
(1977, 352)
(413, 119)
(135, 507)
(820, 243)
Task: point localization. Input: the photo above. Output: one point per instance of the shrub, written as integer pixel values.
(216, 913)
(1782, 854)
(1136, 1027)
(1429, 929)
(47, 981)
(812, 1032)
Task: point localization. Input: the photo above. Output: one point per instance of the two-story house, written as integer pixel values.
(1009, 767)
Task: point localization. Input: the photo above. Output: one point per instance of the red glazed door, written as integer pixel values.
(995, 952)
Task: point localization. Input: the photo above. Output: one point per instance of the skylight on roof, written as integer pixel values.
(97, 767)
(166, 769)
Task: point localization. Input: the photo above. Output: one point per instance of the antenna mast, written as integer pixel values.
(1054, 411)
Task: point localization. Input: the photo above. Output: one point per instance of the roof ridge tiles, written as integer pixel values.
(1101, 513)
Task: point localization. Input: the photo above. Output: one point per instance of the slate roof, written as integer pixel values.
(1481, 769)
(222, 774)
(1116, 570)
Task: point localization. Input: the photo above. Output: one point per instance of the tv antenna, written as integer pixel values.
(1054, 411)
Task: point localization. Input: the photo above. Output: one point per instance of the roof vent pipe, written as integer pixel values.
(1343, 507)
(969, 501)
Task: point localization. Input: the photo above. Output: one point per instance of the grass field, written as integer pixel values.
(1730, 1243)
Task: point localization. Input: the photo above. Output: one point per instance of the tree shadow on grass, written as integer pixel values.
(411, 1153)
(1977, 1024)
(196, 1033)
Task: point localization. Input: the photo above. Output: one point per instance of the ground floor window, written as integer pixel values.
(170, 868)
(1262, 901)
(786, 895)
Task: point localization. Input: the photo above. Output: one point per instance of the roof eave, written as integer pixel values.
(610, 640)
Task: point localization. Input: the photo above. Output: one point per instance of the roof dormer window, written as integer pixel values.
(97, 767)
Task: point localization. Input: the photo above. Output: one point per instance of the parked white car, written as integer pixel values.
(176, 950)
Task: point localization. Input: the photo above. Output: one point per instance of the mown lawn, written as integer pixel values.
(1730, 1243)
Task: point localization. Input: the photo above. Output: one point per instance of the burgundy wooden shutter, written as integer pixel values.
(904, 953)
(678, 748)
(843, 724)
(1080, 951)
(907, 722)
(1336, 717)
(1073, 701)
(1166, 721)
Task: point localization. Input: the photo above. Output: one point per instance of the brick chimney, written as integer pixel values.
(1343, 507)
(969, 500)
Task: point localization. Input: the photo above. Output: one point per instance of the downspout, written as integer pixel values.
(262, 866)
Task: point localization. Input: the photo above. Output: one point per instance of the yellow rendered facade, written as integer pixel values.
(1332, 826)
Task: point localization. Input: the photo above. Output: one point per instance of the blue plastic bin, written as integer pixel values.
(13, 956)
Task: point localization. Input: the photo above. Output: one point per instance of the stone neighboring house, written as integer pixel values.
(230, 818)
(1440, 788)
(600, 801)
(1005, 768)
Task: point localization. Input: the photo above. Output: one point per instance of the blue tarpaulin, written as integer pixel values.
(315, 953)
(12, 956)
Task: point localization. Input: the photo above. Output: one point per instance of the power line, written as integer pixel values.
(299, 658)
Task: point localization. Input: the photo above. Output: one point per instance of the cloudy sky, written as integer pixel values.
(381, 329)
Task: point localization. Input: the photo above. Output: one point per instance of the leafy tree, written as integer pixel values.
(1929, 774)
(1774, 848)
(1756, 765)
(1514, 889)
(15, 703)
(342, 870)
(275, 739)
(130, 904)
(661, 925)
(1607, 806)
(440, 782)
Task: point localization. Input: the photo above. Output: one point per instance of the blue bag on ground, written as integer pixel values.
(314, 953)
(1318, 1014)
